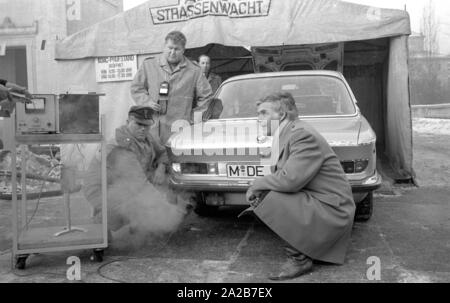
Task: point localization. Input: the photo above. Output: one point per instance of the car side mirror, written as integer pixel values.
(214, 110)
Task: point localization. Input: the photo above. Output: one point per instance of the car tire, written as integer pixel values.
(364, 209)
(204, 210)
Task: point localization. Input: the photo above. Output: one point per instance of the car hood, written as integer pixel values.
(243, 133)
(338, 131)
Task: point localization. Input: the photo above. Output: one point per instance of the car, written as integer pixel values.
(218, 159)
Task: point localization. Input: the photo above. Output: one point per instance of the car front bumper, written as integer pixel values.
(208, 185)
(367, 185)
(211, 184)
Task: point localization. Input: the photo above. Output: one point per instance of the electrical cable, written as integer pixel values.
(38, 200)
(99, 269)
(40, 192)
(81, 153)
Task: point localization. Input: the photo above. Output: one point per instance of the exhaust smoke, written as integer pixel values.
(138, 211)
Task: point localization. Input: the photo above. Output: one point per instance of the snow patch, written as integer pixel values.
(407, 276)
(431, 126)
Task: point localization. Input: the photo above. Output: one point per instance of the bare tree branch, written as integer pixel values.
(430, 28)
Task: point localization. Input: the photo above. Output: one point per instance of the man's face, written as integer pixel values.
(138, 130)
(205, 64)
(173, 52)
(268, 116)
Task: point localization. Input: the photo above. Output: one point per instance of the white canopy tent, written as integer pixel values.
(375, 39)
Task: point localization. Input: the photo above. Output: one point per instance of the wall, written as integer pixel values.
(90, 12)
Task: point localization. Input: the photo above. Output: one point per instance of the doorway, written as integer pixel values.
(13, 65)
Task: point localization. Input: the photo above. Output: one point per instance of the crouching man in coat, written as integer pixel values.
(307, 200)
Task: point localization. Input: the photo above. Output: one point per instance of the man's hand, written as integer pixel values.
(4, 93)
(160, 175)
(252, 195)
(14, 88)
(155, 106)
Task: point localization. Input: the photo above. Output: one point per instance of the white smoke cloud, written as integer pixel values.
(139, 210)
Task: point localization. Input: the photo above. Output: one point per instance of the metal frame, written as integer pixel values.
(54, 139)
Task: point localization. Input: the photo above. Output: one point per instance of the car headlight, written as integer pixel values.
(348, 166)
(361, 165)
(355, 166)
(194, 168)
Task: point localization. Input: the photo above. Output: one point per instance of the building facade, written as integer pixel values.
(29, 30)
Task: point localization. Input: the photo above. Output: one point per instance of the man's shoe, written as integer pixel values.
(294, 268)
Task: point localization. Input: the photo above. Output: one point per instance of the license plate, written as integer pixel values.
(247, 171)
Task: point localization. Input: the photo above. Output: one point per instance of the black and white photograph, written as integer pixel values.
(224, 147)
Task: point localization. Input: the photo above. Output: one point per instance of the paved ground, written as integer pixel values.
(409, 233)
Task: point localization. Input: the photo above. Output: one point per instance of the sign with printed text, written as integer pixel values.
(116, 68)
(190, 9)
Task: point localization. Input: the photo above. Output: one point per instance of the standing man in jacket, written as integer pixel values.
(307, 200)
(214, 80)
(171, 84)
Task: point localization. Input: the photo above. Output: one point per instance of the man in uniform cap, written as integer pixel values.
(134, 158)
(172, 85)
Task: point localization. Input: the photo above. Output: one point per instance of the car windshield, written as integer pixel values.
(314, 95)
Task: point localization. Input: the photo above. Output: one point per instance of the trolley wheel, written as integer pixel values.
(98, 255)
(21, 262)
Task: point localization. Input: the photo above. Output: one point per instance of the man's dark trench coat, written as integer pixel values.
(309, 203)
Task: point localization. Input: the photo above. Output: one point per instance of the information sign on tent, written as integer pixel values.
(117, 68)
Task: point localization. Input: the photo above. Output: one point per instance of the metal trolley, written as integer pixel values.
(66, 221)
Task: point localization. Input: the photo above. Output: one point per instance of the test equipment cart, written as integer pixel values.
(68, 120)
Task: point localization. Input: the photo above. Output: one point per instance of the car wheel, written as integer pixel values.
(364, 209)
(204, 210)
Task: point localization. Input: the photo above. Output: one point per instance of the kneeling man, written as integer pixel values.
(135, 159)
(307, 200)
